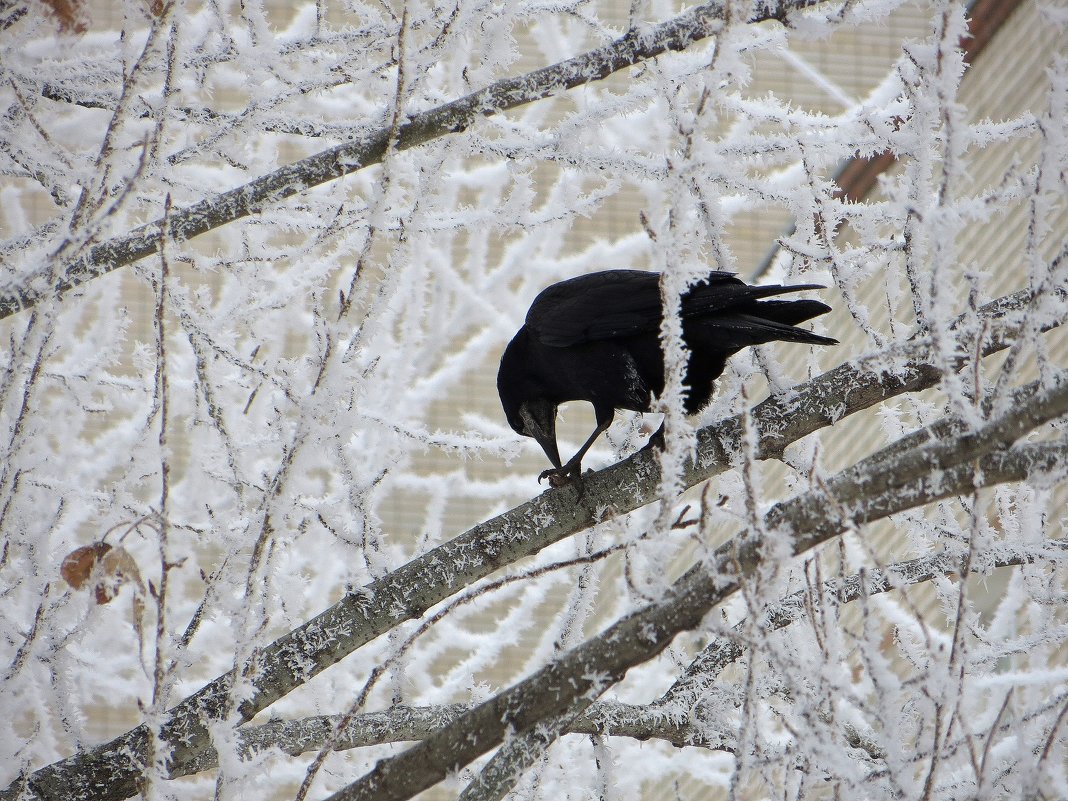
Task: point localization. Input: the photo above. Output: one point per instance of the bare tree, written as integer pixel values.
(207, 447)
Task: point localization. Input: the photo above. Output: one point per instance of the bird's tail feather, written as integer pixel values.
(736, 331)
(789, 312)
(709, 298)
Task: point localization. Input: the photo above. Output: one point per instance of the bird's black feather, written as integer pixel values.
(597, 338)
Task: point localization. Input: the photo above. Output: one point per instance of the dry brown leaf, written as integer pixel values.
(70, 14)
(111, 568)
(119, 568)
(78, 565)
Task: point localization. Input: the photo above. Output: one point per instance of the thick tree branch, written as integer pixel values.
(699, 22)
(516, 755)
(111, 770)
(573, 681)
(666, 719)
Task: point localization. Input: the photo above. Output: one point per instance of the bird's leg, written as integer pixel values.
(558, 476)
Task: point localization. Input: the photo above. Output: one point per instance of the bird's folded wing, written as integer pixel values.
(621, 303)
(605, 305)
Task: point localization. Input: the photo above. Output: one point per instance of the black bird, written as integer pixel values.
(596, 338)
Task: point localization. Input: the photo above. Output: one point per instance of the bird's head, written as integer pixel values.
(536, 417)
(528, 413)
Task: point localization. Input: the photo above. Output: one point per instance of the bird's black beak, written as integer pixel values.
(539, 422)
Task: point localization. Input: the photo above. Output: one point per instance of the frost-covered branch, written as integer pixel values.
(313, 418)
(570, 683)
(636, 46)
(412, 589)
(689, 688)
(666, 719)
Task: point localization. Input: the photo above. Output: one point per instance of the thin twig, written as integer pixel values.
(676, 34)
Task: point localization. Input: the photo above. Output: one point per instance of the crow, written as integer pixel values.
(596, 338)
